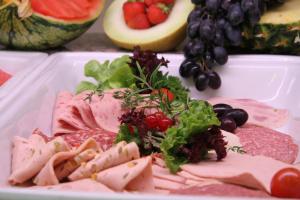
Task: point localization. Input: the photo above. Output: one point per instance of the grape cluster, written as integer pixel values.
(212, 25)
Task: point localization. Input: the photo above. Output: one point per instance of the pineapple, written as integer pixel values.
(278, 30)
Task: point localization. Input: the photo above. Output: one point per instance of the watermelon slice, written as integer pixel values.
(4, 76)
(45, 24)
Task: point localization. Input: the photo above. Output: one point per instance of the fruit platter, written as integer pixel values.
(194, 99)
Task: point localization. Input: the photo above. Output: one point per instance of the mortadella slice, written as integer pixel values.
(118, 154)
(107, 110)
(64, 163)
(259, 113)
(84, 185)
(258, 140)
(135, 175)
(250, 171)
(30, 155)
(64, 119)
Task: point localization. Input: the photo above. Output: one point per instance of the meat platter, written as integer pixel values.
(263, 86)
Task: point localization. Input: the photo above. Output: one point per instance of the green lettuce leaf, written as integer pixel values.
(85, 85)
(197, 119)
(125, 135)
(116, 74)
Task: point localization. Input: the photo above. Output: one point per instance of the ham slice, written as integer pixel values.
(121, 153)
(164, 173)
(259, 113)
(165, 184)
(258, 140)
(30, 155)
(84, 185)
(135, 175)
(224, 190)
(250, 171)
(75, 114)
(63, 163)
(107, 110)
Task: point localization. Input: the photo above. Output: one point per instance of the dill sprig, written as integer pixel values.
(237, 149)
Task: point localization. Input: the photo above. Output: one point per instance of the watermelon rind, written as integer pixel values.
(38, 32)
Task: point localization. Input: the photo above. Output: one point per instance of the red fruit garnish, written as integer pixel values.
(132, 9)
(131, 129)
(140, 21)
(167, 95)
(169, 2)
(164, 124)
(151, 121)
(286, 183)
(159, 115)
(150, 2)
(158, 13)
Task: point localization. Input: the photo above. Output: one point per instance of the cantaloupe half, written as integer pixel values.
(162, 37)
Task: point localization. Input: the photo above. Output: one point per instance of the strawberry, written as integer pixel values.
(158, 13)
(132, 8)
(150, 2)
(169, 2)
(140, 21)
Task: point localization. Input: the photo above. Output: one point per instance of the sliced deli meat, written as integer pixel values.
(84, 185)
(104, 138)
(63, 163)
(30, 155)
(246, 170)
(107, 110)
(224, 190)
(84, 112)
(258, 140)
(118, 154)
(259, 113)
(135, 175)
(65, 118)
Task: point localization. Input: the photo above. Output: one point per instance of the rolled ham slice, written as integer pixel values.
(259, 113)
(65, 120)
(76, 112)
(107, 110)
(63, 163)
(84, 185)
(30, 155)
(135, 175)
(118, 154)
(251, 171)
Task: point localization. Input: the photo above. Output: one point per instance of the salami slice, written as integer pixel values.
(258, 140)
(104, 138)
(259, 113)
(227, 190)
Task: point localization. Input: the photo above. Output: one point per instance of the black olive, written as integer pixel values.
(240, 116)
(228, 124)
(221, 109)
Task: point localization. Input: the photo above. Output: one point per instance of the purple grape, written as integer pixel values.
(221, 56)
(213, 5)
(192, 29)
(214, 80)
(235, 14)
(201, 82)
(207, 30)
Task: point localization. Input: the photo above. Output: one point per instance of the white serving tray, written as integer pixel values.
(20, 65)
(271, 79)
